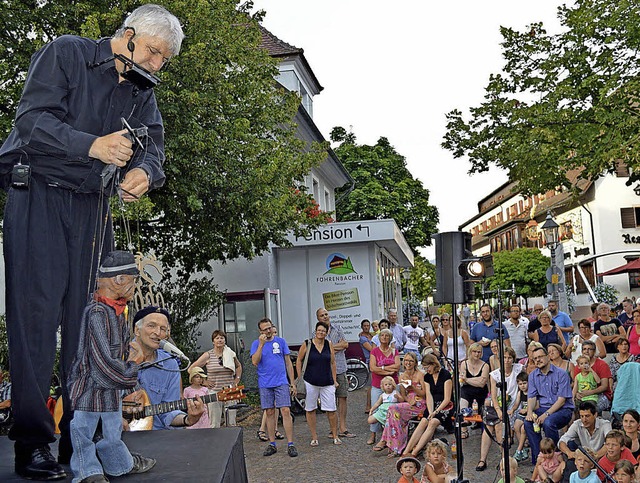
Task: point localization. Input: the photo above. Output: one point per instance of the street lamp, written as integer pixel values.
(550, 231)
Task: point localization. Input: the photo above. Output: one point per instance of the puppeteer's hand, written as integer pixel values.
(135, 352)
(134, 184)
(113, 148)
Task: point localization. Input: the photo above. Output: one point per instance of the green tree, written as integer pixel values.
(563, 102)
(384, 188)
(524, 268)
(233, 158)
(422, 281)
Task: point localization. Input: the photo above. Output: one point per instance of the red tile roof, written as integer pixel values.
(277, 47)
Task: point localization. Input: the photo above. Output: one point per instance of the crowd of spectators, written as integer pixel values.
(559, 387)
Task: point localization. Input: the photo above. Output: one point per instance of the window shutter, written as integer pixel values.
(627, 217)
(622, 170)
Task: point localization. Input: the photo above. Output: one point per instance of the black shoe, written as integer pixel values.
(141, 464)
(271, 449)
(39, 465)
(292, 451)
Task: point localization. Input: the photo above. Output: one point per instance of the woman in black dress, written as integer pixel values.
(438, 386)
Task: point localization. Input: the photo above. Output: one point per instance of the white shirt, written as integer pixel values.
(512, 382)
(578, 433)
(413, 337)
(518, 336)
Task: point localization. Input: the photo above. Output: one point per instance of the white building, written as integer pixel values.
(603, 219)
(350, 268)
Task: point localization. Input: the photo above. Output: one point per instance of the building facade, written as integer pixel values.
(599, 230)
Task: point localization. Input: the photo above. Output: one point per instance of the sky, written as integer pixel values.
(394, 69)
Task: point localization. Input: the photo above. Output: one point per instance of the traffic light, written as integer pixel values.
(474, 270)
(457, 269)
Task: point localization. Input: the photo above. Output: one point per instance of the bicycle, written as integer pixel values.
(357, 374)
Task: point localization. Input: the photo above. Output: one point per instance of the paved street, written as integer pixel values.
(353, 460)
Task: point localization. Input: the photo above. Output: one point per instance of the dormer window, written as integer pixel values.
(290, 80)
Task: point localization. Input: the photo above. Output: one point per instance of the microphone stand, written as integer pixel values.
(502, 385)
(607, 476)
(456, 400)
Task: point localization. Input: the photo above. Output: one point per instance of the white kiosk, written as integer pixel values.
(350, 268)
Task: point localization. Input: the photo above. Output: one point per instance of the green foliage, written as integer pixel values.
(445, 309)
(412, 307)
(562, 102)
(523, 267)
(384, 188)
(422, 280)
(232, 153)
(606, 293)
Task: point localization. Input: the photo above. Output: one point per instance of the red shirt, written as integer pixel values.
(609, 465)
(403, 479)
(602, 369)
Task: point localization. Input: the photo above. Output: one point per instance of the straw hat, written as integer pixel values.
(196, 371)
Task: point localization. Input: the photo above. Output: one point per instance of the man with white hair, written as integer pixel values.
(397, 330)
(161, 376)
(60, 164)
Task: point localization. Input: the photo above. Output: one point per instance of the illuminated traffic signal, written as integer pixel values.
(457, 269)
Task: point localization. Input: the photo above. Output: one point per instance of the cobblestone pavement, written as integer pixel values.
(353, 461)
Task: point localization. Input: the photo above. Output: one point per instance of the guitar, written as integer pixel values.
(143, 420)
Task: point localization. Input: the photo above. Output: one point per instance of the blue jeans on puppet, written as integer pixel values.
(113, 453)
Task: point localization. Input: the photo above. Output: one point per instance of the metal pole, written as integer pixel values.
(503, 392)
(554, 295)
(456, 401)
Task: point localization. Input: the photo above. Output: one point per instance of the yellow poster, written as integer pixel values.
(341, 299)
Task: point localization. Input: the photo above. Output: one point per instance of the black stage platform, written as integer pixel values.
(211, 455)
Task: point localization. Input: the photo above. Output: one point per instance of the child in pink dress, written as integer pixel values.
(196, 378)
(550, 462)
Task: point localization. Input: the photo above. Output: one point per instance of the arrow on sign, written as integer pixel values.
(360, 228)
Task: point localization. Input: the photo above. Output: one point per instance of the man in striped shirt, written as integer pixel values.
(106, 364)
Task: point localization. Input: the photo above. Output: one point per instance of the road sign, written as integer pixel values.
(553, 274)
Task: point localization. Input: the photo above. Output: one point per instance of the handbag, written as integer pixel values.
(301, 389)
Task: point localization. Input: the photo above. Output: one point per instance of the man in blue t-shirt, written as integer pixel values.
(270, 354)
(485, 331)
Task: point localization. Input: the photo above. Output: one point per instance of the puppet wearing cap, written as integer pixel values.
(105, 365)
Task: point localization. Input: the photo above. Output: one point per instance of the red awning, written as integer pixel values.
(632, 266)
